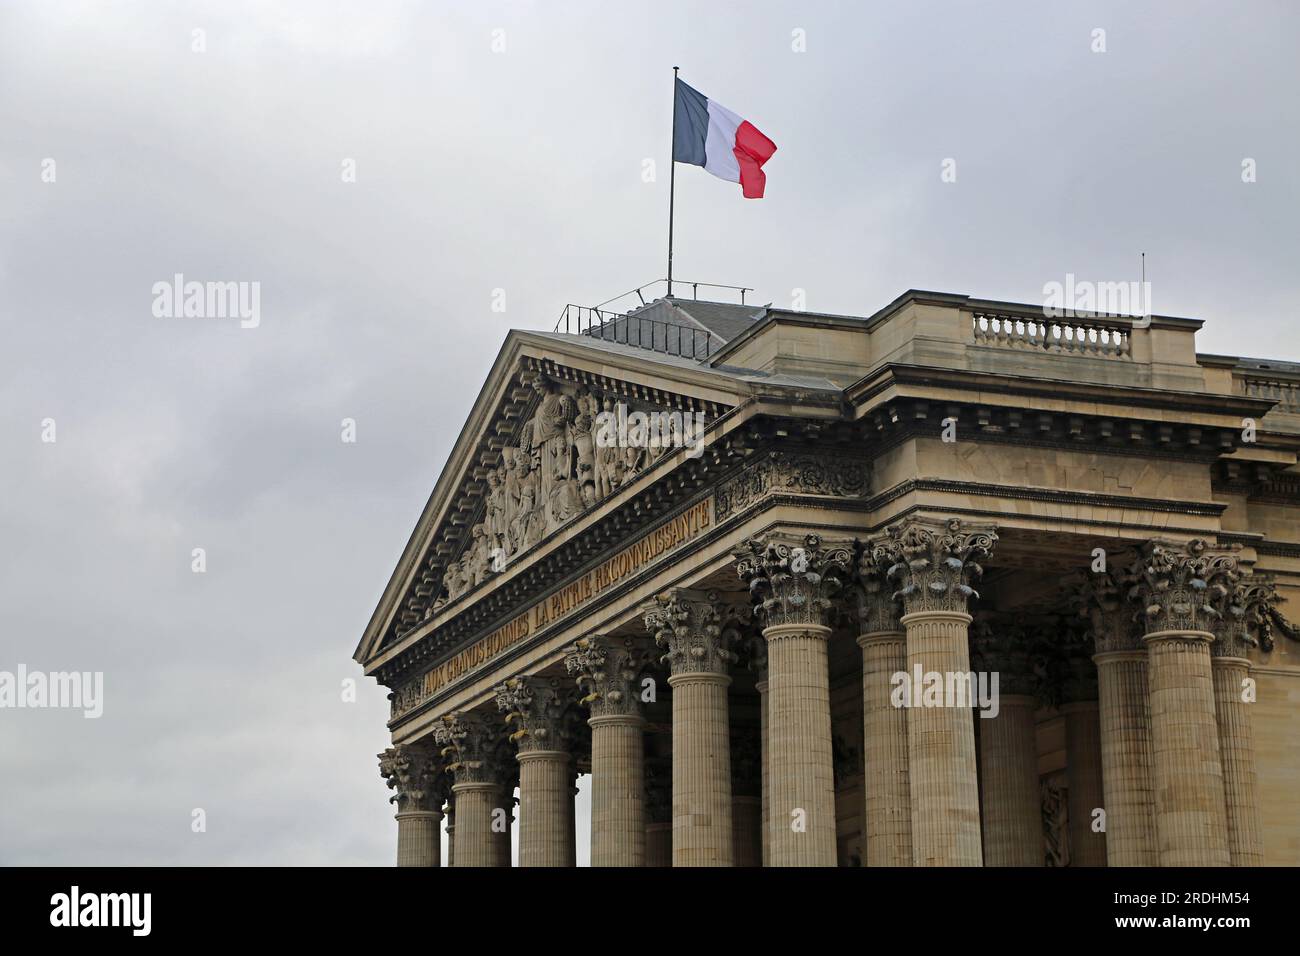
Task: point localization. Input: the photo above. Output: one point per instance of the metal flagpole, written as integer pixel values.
(672, 183)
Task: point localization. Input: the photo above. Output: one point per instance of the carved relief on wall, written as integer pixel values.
(808, 474)
(581, 445)
(1056, 820)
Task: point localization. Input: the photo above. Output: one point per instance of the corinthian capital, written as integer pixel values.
(1101, 599)
(793, 580)
(539, 711)
(696, 629)
(877, 606)
(933, 562)
(607, 669)
(1183, 588)
(471, 746)
(1247, 613)
(414, 775)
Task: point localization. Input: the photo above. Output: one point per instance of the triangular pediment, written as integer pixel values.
(559, 429)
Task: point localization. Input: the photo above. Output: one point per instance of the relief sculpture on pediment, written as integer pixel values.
(577, 448)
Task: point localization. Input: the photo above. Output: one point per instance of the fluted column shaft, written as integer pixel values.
(941, 748)
(618, 828)
(417, 838)
(765, 811)
(545, 808)
(1086, 792)
(1237, 753)
(888, 811)
(1013, 815)
(1128, 782)
(501, 827)
(802, 817)
(701, 770)
(474, 840)
(1190, 820)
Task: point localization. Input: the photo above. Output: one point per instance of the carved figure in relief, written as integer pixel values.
(496, 510)
(451, 580)
(587, 404)
(565, 502)
(511, 487)
(634, 459)
(584, 446)
(480, 555)
(607, 458)
(547, 435)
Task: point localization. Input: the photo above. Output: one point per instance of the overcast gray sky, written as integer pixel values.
(516, 169)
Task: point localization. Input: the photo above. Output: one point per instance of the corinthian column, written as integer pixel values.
(1124, 721)
(696, 632)
(471, 743)
(1008, 745)
(540, 713)
(608, 669)
(794, 579)
(887, 822)
(1247, 606)
(932, 562)
(421, 787)
(1177, 588)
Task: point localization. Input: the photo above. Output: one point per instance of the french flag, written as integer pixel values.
(706, 133)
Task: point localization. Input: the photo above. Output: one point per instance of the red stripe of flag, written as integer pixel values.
(752, 150)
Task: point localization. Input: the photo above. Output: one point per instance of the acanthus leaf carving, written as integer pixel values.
(696, 630)
(416, 778)
(1247, 618)
(471, 747)
(607, 670)
(933, 562)
(538, 712)
(792, 581)
(795, 473)
(1183, 589)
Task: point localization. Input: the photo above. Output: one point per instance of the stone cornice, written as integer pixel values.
(900, 378)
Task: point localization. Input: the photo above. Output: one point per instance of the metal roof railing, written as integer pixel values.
(639, 331)
(629, 328)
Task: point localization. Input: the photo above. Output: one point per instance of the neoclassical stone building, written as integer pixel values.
(757, 571)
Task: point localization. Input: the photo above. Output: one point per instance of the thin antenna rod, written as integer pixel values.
(672, 183)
